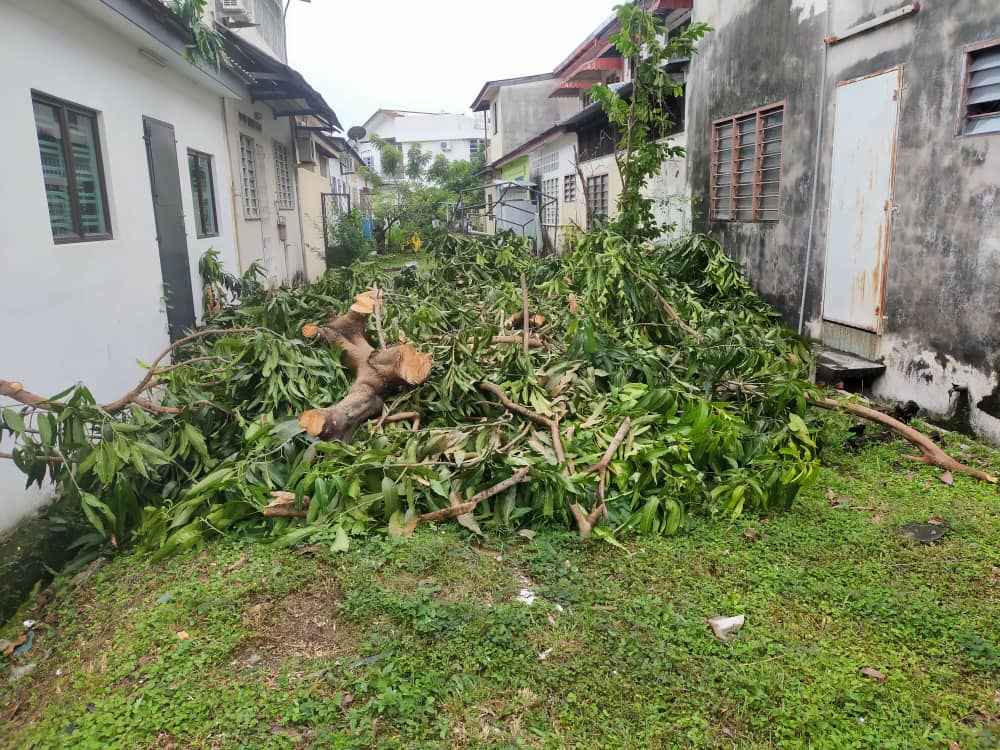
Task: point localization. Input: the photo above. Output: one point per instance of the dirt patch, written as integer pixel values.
(303, 625)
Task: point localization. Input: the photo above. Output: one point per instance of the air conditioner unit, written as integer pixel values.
(239, 9)
(445, 146)
(305, 149)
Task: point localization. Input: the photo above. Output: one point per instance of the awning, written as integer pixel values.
(279, 86)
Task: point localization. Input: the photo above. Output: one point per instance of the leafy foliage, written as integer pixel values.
(348, 242)
(207, 43)
(718, 422)
(643, 116)
(416, 162)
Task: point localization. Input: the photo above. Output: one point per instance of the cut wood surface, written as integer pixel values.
(377, 372)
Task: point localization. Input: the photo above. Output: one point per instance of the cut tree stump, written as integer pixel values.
(377, 372)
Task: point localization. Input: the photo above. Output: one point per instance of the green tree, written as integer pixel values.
(392, 157)
(416, 162)
(643, 116)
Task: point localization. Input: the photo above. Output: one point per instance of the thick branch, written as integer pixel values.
(521, 475)
(552, 424)
(930, 453)
(283, 506)
(524, 313)
(669, 309)
(378, 372)
(585, 521)
(15, 391)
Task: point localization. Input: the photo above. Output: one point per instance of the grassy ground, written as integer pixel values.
(423, 643)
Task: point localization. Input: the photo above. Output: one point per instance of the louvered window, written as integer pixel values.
(550, 202)
(981, 110)
(283, 177)
(248, 175)
(746, 166)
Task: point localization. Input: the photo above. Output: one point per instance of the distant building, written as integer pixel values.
(455, 136)
(551, 147)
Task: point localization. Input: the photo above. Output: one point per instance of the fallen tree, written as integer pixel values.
(655, 384)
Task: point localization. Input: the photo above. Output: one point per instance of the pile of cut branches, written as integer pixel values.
(618, 388)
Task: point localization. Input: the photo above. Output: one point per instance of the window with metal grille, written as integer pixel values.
(476, 145)
(597, 195)
(285, 191)
(73, 171)
(248, 177)
(569, 188)
(746, 166)
(981, 107)
(550, 202)
(203, 192)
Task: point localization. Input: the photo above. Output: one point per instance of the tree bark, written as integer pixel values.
(377, 372)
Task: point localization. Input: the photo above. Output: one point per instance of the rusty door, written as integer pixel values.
(857, 246)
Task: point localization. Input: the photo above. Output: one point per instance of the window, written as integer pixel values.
(324, 166)
(494, 113)
(550, 202)
(981, 106)
(569, 188)
(70, 150)
(597, 195)
(746, 166)
(248, 174)
(203, 191)
(549, 162)
(476, 145)
(369, 160)
(283, 177)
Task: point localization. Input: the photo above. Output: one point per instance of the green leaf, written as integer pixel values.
(13, 420)
(341, 542)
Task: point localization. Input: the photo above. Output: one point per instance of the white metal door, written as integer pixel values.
(857, 247)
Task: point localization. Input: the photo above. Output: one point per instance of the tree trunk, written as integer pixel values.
(377, 372)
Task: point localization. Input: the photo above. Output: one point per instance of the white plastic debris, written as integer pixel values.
(527, 596)
(29, 624)
(726, 627)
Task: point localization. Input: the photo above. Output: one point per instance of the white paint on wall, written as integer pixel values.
(85, 312)
(806, 9)
(926, 376)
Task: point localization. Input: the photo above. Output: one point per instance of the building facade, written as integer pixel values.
(856, 178)
(125, 163)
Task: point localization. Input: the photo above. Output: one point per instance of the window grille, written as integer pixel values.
(746, 166)
(248, 177)
(981, 107)
(284, 189)
(550, 202)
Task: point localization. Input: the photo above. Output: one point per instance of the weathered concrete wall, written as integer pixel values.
(941, 307)
(525, 110)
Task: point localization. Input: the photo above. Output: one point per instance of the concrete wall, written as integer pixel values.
(259, 238)
(101, 300)
(312, 185)
(943, 267)
(670, 191)
(524, 111)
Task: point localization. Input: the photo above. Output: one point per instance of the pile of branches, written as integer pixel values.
(618, 388)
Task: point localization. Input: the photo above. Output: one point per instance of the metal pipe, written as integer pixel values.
(820, 117)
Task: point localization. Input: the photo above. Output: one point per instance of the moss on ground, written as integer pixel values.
(423, 643)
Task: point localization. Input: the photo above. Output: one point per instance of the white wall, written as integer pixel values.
(84, 312)
(258, 238)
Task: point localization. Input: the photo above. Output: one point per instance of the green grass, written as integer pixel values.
(422, 643)
(424, 260)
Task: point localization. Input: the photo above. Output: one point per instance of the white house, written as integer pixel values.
(124, 163)
(455, 136)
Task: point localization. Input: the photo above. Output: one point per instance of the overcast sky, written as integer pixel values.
(429, 55)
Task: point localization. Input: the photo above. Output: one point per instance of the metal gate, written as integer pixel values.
(860, 216)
